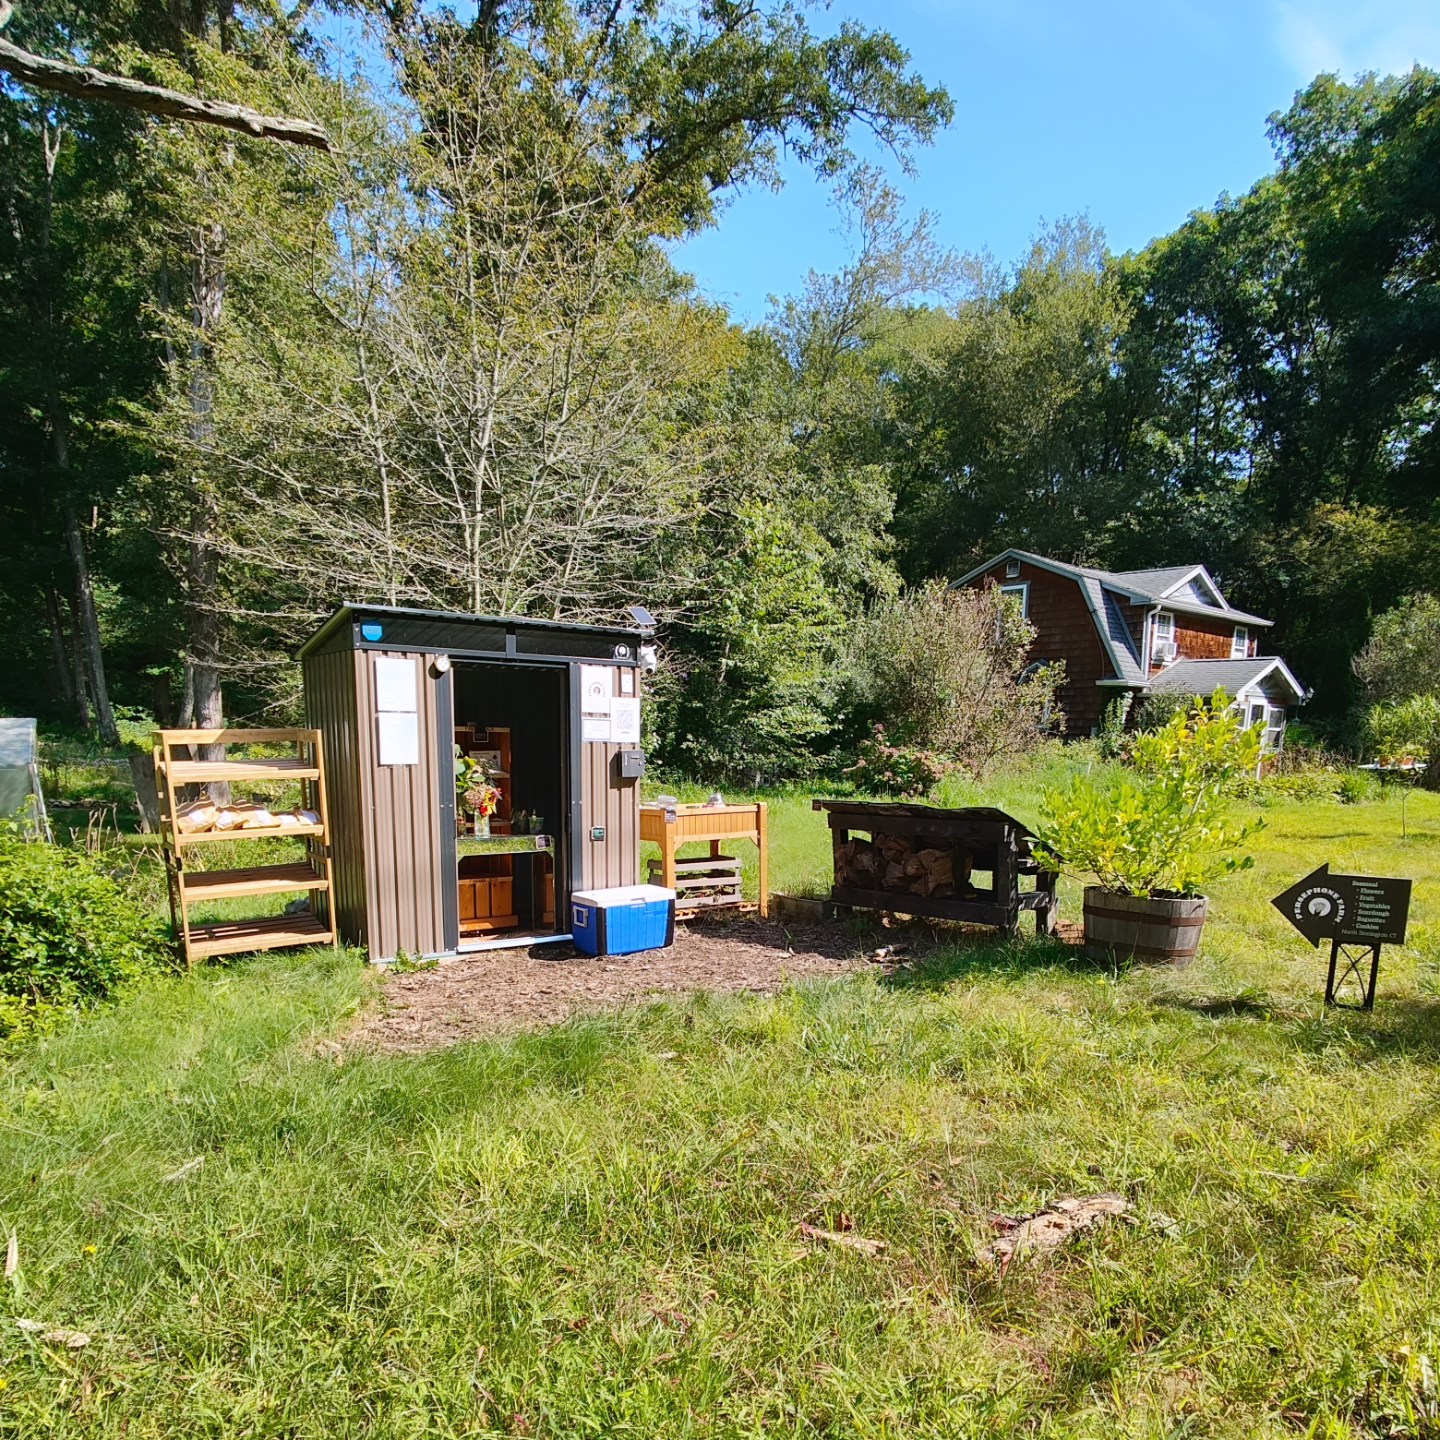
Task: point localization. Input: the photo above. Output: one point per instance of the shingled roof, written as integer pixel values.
(1178, 588)
(1203, 677)
(1154, 587)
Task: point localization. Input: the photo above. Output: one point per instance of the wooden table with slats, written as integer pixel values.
(671, 826)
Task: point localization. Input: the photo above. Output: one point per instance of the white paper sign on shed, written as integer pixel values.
(395, 687)
(397, 723)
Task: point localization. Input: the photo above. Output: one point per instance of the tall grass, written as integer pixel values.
(595, 1230)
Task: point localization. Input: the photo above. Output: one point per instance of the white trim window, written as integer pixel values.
(1240, 643)
(1274, 737)
(1012, 569)
(1162, 638)
(1271, 719)
(1022, 591)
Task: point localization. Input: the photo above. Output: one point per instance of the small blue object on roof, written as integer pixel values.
(371, 631)
(622, 920)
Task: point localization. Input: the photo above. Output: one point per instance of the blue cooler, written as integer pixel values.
(623, 920)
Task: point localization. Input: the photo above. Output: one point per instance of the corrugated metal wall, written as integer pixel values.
(401, 823)
(390, 877)
(330, 708)
(615, 804)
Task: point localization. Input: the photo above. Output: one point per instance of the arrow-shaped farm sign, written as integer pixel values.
(1353, 909)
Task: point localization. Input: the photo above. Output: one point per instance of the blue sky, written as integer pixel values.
(1134, 113)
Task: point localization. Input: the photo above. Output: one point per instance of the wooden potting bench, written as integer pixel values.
(671, 826)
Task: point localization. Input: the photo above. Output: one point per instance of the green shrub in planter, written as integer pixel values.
(1162, 829)
(69, 932)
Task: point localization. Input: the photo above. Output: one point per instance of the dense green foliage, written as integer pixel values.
(1165, 827)
(453, 364)
(1399, 670)
(1402, 656)
(70, 932)
(1400, 732)
(945, 671)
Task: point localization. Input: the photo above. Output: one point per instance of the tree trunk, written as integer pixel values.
(142, 766)
(72, 692)
(77, 663)
(186, 719)
(203, 619)
(87, 622)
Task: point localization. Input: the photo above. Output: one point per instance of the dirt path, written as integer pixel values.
(505, 990)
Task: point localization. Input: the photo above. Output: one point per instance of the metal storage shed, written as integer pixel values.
(392, 690)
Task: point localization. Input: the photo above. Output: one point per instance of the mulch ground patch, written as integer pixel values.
(496, 991)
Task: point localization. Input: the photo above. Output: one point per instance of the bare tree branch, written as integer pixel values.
(84, 83)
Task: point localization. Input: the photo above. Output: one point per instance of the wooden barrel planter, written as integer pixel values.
(1124, 927)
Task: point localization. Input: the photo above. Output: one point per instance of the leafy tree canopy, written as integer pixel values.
(700, 99)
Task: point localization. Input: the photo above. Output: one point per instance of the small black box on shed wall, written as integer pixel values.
(632, 764)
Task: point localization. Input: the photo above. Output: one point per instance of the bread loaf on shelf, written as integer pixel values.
(198, 815)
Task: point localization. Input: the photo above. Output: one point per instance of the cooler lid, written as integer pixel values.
(623, 895)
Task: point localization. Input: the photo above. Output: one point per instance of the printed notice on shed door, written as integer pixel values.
(397, 721)
(625, 720)
(596, 688)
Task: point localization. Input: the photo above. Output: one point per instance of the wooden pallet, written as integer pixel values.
(175, 768)
(693, 910)
(694, 875)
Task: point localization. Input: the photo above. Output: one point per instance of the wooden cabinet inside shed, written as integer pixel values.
(489, 891)
(486, 883)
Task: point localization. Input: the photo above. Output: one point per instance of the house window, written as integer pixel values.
(1240, 645)
(1255, 714)
(1274, 736)
(1012, 569)
(1021, 593)
(1162, 638)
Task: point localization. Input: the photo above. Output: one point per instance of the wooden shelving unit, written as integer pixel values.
(175, 769)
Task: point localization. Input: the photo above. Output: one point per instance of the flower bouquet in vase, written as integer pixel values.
(481, 800)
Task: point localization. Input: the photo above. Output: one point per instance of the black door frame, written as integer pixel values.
(569, 785)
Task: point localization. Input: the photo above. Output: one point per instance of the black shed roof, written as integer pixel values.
(394, 627)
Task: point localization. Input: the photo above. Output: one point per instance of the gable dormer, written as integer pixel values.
(1199, 589)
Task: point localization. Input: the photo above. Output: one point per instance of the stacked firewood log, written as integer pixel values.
(892, 862)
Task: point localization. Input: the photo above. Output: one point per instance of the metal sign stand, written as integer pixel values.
(1347, 967)
(1356, 914)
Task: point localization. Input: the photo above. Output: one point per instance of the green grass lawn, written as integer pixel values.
(594, 1231)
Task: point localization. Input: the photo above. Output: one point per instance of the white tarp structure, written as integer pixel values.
(20, 793)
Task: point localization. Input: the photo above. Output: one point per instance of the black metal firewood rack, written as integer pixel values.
(921, 860)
